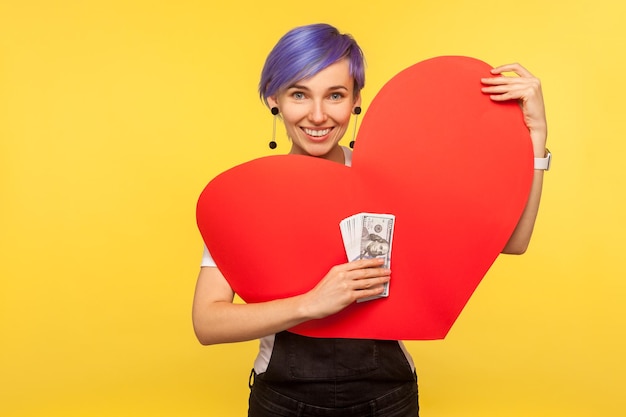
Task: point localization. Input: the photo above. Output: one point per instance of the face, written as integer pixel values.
(316, 111)
(378, 248)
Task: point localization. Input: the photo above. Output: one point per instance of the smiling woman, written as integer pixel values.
(313, 78)
(294, 374)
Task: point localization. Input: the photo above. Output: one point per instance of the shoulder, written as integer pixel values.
(347, 155)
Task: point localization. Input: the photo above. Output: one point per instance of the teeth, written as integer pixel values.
(316, 133)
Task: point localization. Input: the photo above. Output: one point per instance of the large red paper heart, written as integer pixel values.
(454, 168)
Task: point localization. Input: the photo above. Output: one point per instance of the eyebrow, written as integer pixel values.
(302, 87)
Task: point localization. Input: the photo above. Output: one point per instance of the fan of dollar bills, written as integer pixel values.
(368, 235)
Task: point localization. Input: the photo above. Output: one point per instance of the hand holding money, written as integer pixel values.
(366, 236)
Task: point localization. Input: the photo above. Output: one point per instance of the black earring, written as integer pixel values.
(272, 143)
(356, 111)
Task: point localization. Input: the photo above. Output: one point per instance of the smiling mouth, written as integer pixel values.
(317, 132)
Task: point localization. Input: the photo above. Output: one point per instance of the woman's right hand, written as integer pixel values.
(216, 319)
(343, 285)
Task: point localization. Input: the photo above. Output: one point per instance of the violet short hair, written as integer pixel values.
(306, 50)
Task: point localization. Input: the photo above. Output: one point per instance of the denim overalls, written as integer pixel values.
(334, 377)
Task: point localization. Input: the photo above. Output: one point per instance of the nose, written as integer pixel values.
(317, 113)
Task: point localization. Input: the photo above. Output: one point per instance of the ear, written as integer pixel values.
(272, 101)
(357, 100)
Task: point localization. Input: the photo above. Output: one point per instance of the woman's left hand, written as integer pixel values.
(525, 88)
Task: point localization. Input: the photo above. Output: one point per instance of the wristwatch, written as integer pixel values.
(544, 163)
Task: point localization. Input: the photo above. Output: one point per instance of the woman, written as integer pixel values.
(313, 78)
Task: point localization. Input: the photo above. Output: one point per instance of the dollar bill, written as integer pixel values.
(366, 236)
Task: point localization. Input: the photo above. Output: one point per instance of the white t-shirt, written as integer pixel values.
(267, 343)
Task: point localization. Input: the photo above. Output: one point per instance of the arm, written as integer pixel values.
(527, 90)
(217, 320)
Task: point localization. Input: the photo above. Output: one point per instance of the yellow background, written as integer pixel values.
(115, 114)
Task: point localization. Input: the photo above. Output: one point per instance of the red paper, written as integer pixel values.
(454, 168)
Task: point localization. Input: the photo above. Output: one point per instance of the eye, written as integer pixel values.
(298, 95)
(336, 96)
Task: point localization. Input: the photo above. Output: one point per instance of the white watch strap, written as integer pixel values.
(544, 163)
